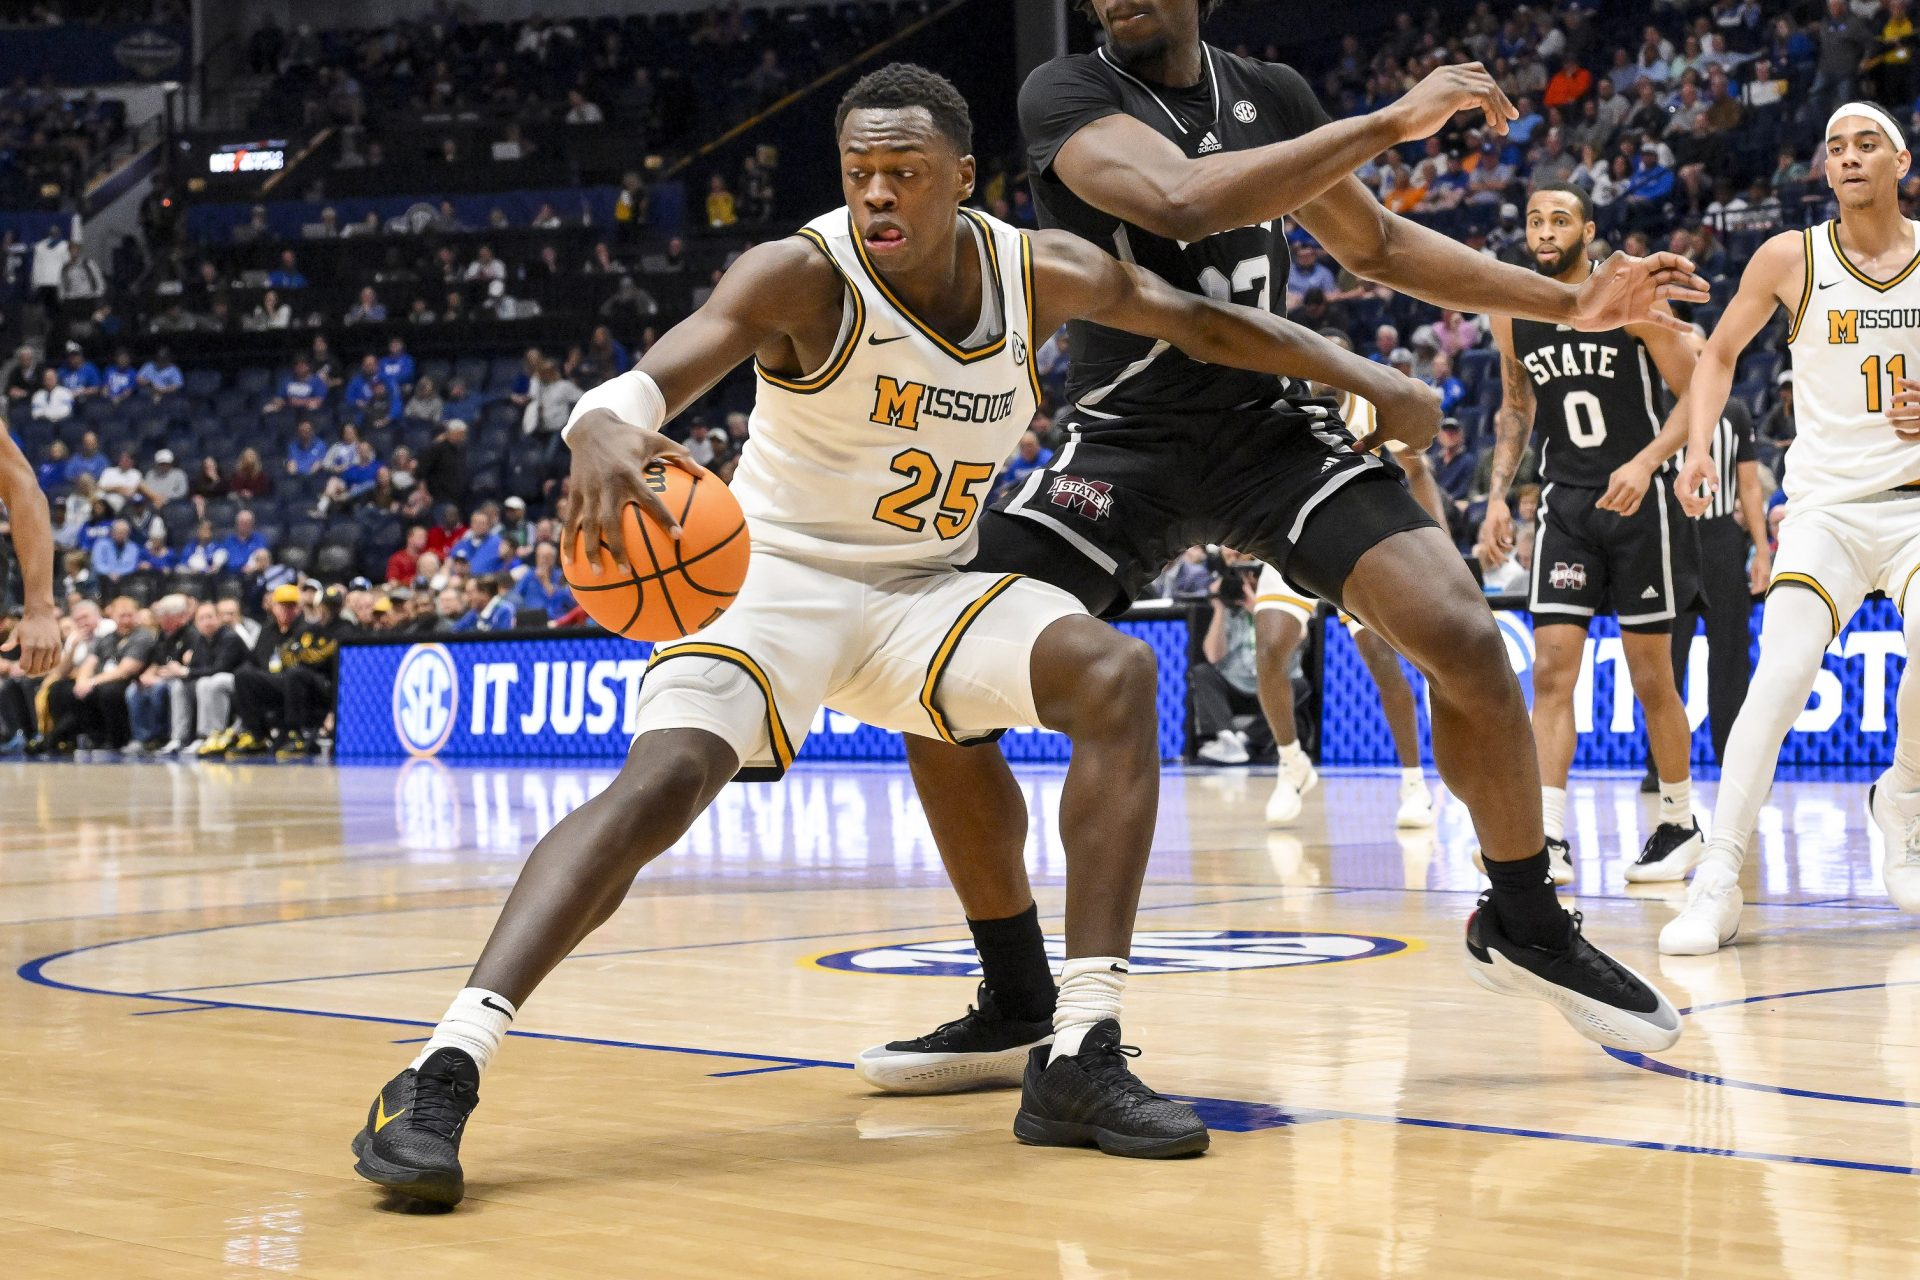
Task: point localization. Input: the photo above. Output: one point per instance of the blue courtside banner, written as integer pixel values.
(537, 696)
(1848, 721)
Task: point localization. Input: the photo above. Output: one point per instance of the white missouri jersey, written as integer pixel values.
(888, 450)
(1853, 336)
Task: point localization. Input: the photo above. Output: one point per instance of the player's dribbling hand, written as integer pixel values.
(1408, 410)
(1626, 488)
(35, 643)
(1496, 534)
(1623, 291)
(610, 457)
(1698, 482)
(1904, 412)
(1446, 92)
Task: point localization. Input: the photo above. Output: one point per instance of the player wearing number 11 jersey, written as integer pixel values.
(1610, 533)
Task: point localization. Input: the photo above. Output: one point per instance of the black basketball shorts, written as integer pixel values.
(1645, 567)
(1124, 498)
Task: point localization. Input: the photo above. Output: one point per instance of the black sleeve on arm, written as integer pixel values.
(1059, 99)
(1298, 105)
(1736, 413)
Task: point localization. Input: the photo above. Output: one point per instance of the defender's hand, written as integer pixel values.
(1626, 488)
(35, 642)
(1623, 291)
(610, 458)
(1496, 534)
(1407, 411)
(1446, 92)
(1698, 482)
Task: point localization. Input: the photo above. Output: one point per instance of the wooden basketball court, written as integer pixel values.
(210, 969)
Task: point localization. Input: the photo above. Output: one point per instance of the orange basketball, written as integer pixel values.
(671, 588)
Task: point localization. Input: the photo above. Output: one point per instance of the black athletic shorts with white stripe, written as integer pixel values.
(1644, 568)
(1125, 496)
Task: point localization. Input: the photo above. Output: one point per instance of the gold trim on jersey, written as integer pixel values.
(1033, 334)
(1806, 283)
(1833, 235)
(1806, 580)
(776, 731)
(944, 654)
(993, 259)
(837, 362)
(1903, 589)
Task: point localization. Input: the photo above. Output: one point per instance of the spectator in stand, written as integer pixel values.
(23, 373)
(121, 379)
(630, 307)
(630, 207)
(214, 649)
(1777, 429)
(89, 461)
(1845, 39)
(720, 207)
(425, 404)
(160, 376)
(255, 228)
(460, 402)
(306, 451)
(237, 548)
(1455, 333)
(516, 535)
(302, 392)
(52, 471)
(120, 483)
(488, 608)
(1452, 462)
(249, 478)
(1386, 345)
(485, 267)
(52, 402)
(366, 395)
(50, 256)
(480, 547)
(367, 310)
(80, 376)
(269, 313)
(156, 557)
(286, 275)
(116, 555)
(403, 566)
(1029, 456)
(165, 483)
(150, 695)
(1568, 85)
(443, 465)
(420, 313)
(201, 555)
(1308, 273)
(604, 357)
(396, 370)
(543, 586)
(1440, 378)
(92, 708)
(209, 482)
(601, 262)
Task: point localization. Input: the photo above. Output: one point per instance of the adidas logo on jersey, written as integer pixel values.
(1649, 594)
(1209, 143)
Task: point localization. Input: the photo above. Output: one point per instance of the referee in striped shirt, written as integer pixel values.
(1735, 523)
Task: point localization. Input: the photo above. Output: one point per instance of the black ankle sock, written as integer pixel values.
(1013, 960)
(1524, 900)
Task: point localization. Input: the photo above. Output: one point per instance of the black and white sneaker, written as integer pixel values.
(411, 1142)
(1670, 853)
(1559, 862)
(981, 1049)
(1604, 1000)
(1092, 1099)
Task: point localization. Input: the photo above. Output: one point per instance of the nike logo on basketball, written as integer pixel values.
(380, 1117)
(875, 340)
(488, 1001)
(1649, 594)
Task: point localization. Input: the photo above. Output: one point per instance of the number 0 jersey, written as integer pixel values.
(1597, 400)
(1852, 337)
(886, 452)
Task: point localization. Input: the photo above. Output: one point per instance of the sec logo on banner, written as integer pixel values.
(1183, 951)
(426, 698)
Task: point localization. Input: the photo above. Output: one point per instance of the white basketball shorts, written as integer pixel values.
(1844, 551)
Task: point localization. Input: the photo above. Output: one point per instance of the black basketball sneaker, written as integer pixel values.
(1093, 1099)
(1604, 1000)
(412, 1139)
(1670, 852)
(981, 1049)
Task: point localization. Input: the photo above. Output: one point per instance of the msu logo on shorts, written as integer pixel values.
(1568, 577)
(1091, 498)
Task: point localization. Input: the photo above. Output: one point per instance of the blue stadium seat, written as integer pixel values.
(203, 382)
(500, 376)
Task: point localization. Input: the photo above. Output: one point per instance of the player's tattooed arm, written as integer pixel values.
(1381, 246)
(1074, 280)
(1512, 425)
(1776, 276)
(1120, 166)
(35, 642)
(780, 302)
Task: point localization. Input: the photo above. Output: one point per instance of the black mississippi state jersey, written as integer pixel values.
(1598, 400)
(1238, 104)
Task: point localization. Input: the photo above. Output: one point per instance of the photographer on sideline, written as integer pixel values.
(1227, 684)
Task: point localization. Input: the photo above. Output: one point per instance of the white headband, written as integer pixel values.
(1874, 114)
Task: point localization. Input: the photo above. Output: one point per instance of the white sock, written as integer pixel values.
(1676, 801)
(475, 1024)
(1090, 990)
(1553, 812)
(1291, 756)
(1415, 776)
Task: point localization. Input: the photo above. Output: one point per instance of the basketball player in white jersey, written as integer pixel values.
(1282, 612)
(893, 341)
(1853, 494)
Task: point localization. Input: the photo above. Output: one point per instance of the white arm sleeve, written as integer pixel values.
(633, 397)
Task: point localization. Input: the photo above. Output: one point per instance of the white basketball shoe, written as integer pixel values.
(1901, 831)
(1416, 805)
(1711, 917)
(1290, 789)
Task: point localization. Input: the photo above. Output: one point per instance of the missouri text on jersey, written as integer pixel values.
(1570, 360)
(902, 404)
(1845, 326)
